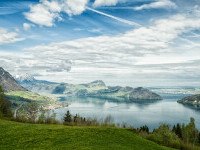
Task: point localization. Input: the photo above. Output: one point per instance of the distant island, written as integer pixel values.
(193, 100)
(96, 89)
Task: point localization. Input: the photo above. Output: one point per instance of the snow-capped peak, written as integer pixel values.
(24, 77)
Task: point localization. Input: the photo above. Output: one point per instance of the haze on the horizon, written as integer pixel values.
(122, 42)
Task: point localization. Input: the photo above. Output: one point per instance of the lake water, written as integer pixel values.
(134, 114)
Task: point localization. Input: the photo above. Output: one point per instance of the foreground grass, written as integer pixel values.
(31, 136)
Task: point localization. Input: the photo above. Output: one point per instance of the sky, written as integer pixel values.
(122, 42)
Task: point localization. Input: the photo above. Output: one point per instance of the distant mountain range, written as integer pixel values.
(19, 95)
(36, 86)
(8, 83)
(97, 89)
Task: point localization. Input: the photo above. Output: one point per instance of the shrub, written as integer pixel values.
(163, 135)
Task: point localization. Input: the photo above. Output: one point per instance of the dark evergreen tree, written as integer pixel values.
(144, 129)
(178, 131)
(84, 119)
(5, 110)
(199, 137)
(68, 117)
(76, 118)
(174, 129)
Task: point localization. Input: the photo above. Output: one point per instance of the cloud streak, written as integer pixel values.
(47, 12)
(115, 18)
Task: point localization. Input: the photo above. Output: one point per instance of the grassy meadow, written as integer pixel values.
(33, 136)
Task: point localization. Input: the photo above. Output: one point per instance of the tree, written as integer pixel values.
(190, 133)
(76, 118)
(41, 118)
(177, 129)
(199, 138)
(174, 129)
(5, 110)
(68, 117)
(144, 129)
(165, 136)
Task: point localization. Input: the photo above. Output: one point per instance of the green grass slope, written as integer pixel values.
(31, 136)
(29, 95)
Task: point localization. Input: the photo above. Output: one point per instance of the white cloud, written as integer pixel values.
(46, 12)
(157, 37)
(27, 26)
(74, 7)
(98, 3)
(95, 30)
(124, 53)
(157, 4)
(142, 53)
(43, 14)
(8, 37)
(33, 64)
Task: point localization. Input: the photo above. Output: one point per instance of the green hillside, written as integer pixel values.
(31, 136)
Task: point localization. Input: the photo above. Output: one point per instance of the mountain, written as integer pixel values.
(191, 100)
(8, 82)
(121, 94)
(142, 93)
(34, 85)
(24, 78)
(96, 89)
(18, 95)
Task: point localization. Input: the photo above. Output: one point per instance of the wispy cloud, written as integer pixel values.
(158, 4)
(27, 26)
(98, 3)
(8, 37)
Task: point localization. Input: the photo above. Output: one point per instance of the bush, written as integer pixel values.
(163, 135)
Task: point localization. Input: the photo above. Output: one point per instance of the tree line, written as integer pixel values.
(180, 136)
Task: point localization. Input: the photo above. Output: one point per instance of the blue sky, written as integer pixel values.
(123, 42)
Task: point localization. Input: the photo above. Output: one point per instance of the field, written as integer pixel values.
(18, 97)
(31, 136)
(29, 95)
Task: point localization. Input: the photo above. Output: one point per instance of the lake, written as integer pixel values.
(133, 114)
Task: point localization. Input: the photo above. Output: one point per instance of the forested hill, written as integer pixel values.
(97, 89)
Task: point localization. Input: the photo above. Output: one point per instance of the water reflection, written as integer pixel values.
(195, 107)
(150, 113)
(98, 101)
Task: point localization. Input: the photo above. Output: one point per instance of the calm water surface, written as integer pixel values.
(134, 114)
